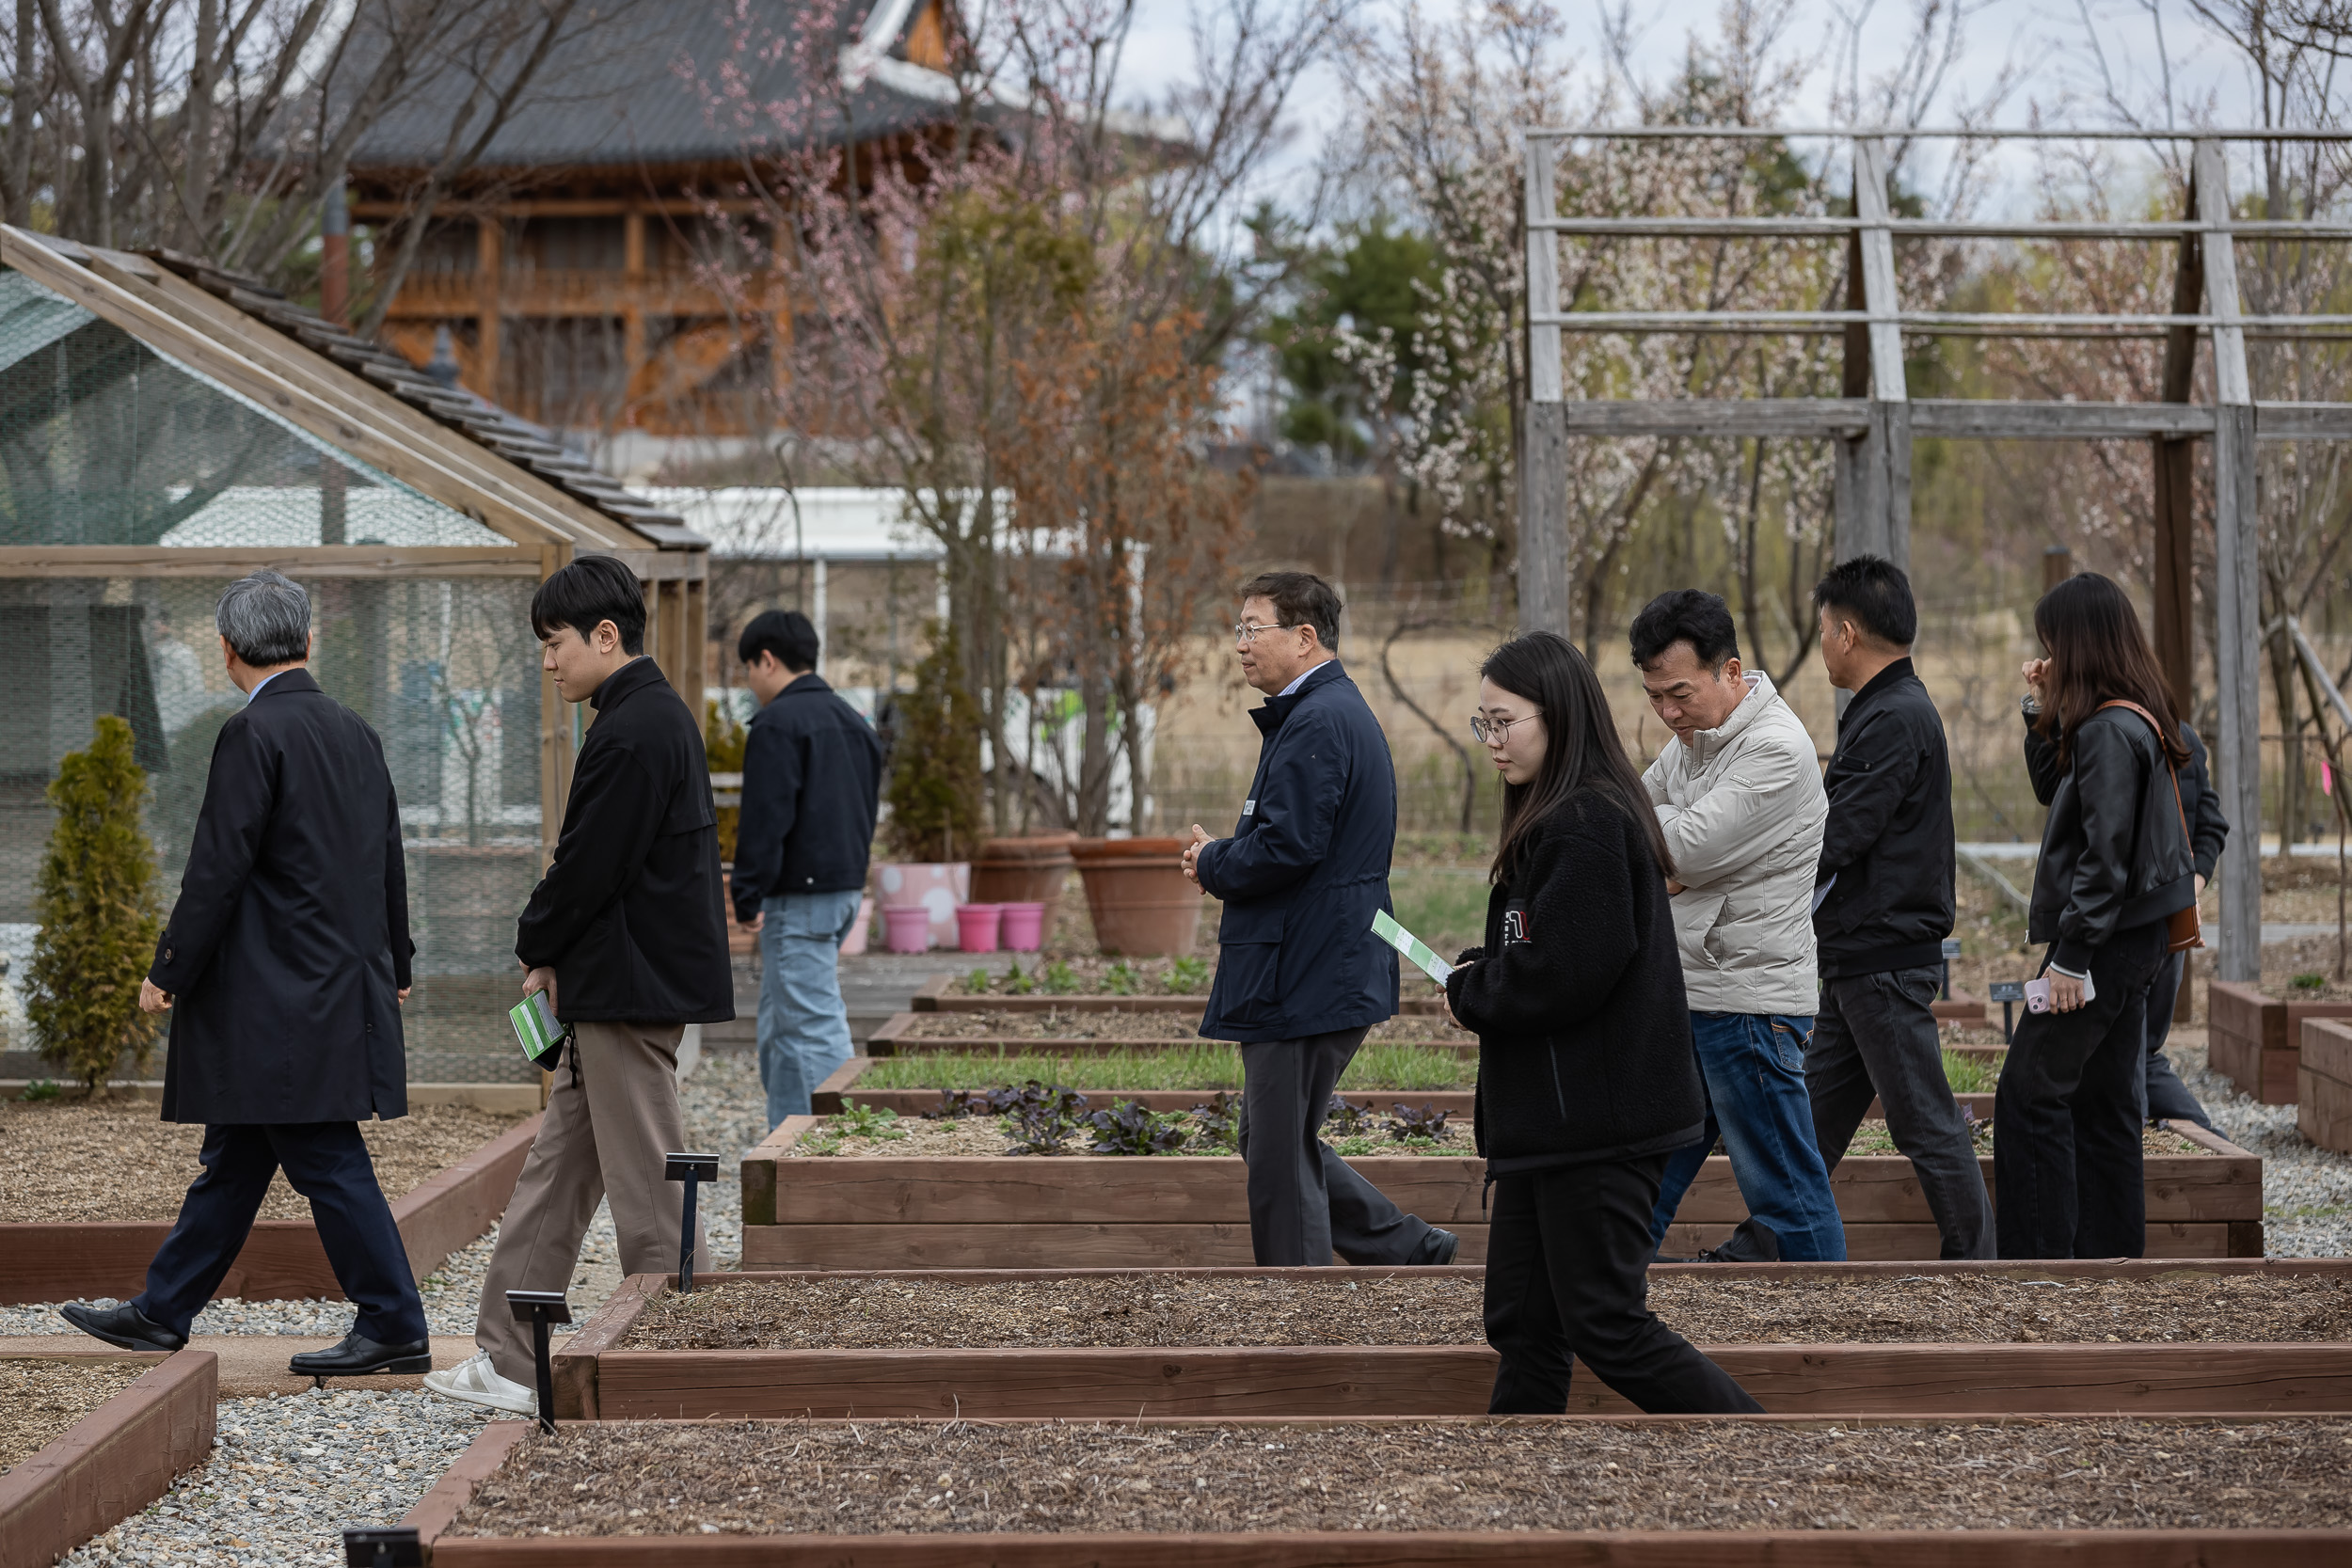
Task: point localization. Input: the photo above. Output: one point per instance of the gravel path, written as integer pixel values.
(2306, 1191)
(290, 1474)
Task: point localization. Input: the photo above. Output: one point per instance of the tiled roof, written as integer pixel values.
(611, 93)
(523, 444)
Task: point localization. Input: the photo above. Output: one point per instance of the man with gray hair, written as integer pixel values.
(284, 963)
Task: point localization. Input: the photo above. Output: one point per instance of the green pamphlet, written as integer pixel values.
(1384, 925)
(536, 1030)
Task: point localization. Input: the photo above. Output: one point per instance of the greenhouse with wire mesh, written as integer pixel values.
(166, 429)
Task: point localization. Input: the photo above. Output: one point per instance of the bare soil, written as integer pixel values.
(660, 1478)
(1057, 1025)
(1873, 1137)
(116, 1160)
(1396, 1309)
(911, 1137)
(39, 1400)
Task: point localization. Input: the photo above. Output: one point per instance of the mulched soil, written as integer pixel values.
(763, 1477)
(969, 1135)
(1873, 1137)
(1057, 1025)
(1093, 975)
(1158, 1311)
(39, 1400)
(114, 1159)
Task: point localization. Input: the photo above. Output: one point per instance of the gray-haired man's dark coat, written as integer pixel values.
(289, 945)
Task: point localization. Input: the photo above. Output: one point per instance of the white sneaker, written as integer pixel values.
(476, 1382)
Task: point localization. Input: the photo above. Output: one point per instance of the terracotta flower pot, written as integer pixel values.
(1136, 892)
(1023, 871)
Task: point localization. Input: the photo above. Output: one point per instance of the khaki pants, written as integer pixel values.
(611, 1116)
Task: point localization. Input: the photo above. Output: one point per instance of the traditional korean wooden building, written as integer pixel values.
(561, 276)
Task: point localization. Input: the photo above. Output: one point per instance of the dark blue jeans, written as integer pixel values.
(327, 1163)
(1754, 1069)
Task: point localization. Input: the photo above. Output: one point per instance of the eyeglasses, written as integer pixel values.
(1247, 631)
(1489, 731)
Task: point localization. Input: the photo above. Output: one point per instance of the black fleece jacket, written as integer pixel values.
(1583, 1033)
(2114, 854)
(812, 786)
(629, 913)
(1888, 841)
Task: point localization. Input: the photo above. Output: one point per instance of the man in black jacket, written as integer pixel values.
(1301, 977)
(626, 934)
(1883, 905)
(2169, 1099)
(812, 786)
(284, 962)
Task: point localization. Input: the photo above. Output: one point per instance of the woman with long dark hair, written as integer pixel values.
(1586, 1078)
(2101, 744)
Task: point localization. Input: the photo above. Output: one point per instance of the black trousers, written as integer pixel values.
(2068, 1113)
(1567, 1274)
(1305, 1201)
(1875, 1037)
(326, 1162)
(2169, 1099)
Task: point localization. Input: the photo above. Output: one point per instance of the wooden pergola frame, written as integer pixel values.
(1875, 422)
(352, 413)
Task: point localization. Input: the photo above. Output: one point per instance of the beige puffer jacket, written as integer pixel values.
(1743, 808)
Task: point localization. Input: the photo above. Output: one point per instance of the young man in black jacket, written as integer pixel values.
(812, 786)
(626, 934)
(1883, 905)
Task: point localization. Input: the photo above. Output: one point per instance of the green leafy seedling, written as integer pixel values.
(866, 1121)
(1016, 983)
(1188, 975)
(2309, 982)
(41, 1089)
(1060, 979)
(1119, 980)
(976, 983)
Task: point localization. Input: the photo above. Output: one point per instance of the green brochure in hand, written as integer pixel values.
(541, 1035)
(1384, 925)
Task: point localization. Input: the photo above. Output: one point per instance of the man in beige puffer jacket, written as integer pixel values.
(1738, 794)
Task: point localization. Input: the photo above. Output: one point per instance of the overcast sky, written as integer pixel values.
(2061, 57)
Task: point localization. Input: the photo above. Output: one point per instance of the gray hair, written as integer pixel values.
(266, 619)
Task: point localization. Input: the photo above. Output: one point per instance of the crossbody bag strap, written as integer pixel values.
(2162, 756)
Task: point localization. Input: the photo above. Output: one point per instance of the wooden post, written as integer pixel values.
(555, 730)
(489, 258)
(335, 256)
(2058, 564)
(633, 294)
(2237, 756)
(1544, 586)
(2176, 487)
(1874, 473)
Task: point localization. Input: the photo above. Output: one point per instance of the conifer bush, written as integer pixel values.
(936, 787)
(97, 903)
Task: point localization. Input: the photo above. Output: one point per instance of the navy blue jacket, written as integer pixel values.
(812, 780)
(1306, 868)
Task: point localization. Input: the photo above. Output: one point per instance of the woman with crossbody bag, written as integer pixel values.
(2114, 891)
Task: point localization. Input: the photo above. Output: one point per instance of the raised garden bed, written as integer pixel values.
(2322, 1109)
(106, 1432)
(2252, 1037)
(1380, 1075)
(2016, 1338)
(448, 1169)
(881, 1203)
(1072, 1033)
(1655, 1491)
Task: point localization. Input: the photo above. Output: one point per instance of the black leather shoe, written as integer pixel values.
(1752, 1242)
(358, 1355)
(1439, 1246)
(124, 1325)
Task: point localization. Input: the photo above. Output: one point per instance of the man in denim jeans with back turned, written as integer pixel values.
(811, 784)
(1738, 794)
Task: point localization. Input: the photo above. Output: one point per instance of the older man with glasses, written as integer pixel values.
(1300, 978)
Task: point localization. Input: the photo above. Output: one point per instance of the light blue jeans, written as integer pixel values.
(1752, 1065)
(803, 1032)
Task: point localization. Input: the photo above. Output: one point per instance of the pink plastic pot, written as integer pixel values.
(910, 928)
(976, 925)
(1025, 928)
